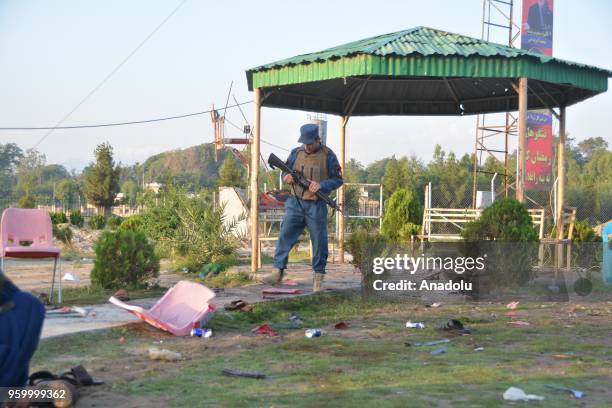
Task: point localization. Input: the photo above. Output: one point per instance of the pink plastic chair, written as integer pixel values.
(34, 226)
(176, 312)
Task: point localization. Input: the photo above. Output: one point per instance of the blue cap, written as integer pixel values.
(308, 133)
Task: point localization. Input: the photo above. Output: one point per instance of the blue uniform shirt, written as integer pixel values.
(334, 176)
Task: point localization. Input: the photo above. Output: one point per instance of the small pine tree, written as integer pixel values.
(102, 179)
(403, 214)
(230, 174)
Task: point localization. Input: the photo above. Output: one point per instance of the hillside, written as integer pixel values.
(193, 167)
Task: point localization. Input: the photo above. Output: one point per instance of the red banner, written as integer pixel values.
(536, 36)
(538, 150)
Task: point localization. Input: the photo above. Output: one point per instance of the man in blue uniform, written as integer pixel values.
(303, 209)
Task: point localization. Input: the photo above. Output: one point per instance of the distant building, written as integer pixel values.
(367, 207)
(153, 187)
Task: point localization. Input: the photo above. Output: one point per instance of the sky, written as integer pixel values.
(54, 53)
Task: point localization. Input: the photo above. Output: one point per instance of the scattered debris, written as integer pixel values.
(415, 325)
(512, 305)
(67, 311)
(198, 332)
(121, 340)
(439, 351)
(296, 321)
(564, 356)
(243, 373)
(434, 305)
(519, 323)
(281, 291)
(122, 295)
(310, 333)
(575, 393)
(516, 394)
(70, 277)
(290, 282)
(454, 325)
(479, 349)
(164, 355)
(239, 305)
(432, 343)
(342, 325)
(265, 329)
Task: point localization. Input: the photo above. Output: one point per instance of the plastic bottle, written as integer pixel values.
(310, 333)
(415, 325)
(197, 332)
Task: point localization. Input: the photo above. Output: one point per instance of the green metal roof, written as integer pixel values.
(437, 70)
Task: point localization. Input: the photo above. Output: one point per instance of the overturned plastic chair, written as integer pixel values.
(176, 312)
(34, 226)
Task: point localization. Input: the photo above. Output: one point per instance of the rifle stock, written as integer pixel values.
(275, 162)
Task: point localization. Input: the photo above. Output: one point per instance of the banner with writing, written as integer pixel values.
(538, 150)
(537, 27)
(536, 36)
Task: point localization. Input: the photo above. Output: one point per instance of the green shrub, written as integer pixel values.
(97, 222)
(364, 247)
(114, 221)
(584, 233)
(505, 236)
(505, 220)
(123, 259)
(58, 218)
(76, 218)
(132, 223)
(189, 227)
(62, 233)
(403, 214)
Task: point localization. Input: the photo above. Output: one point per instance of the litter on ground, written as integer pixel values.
(230, 372)
(516, 394)
(164, 355)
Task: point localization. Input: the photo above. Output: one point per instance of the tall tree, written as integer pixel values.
(230, 174)
(67, 191)
(30, 171)
(591, 145)
(102, 179)
(10, 154)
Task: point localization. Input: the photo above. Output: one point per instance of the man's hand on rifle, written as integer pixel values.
(314, 187)
(288, 179)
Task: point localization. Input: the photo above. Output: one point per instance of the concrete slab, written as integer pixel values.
(104, 316)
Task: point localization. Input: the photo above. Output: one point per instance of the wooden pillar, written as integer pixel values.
(522, 104)
(254, 187)
(560, 173)
(343, 121)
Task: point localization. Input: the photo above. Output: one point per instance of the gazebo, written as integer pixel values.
(420, 71)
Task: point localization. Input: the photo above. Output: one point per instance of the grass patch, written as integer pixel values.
(366, 364)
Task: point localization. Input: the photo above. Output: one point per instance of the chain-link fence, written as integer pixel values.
(594, 208)
(66, 206)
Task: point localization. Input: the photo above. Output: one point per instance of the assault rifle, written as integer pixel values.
(300, 180)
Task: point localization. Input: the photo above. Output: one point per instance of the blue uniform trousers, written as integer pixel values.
(298, 215)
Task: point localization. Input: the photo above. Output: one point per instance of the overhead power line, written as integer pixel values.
(106, 78)
(135, 122)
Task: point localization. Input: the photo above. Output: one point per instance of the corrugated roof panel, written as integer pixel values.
(420, 40)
